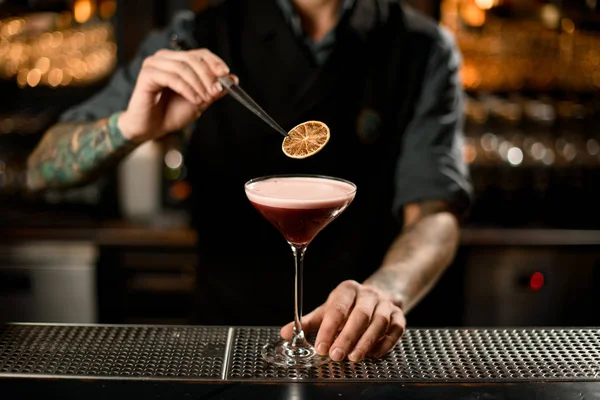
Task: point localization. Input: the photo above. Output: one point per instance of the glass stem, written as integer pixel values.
(298, 340)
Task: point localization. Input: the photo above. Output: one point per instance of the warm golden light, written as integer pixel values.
(107, 9)
(14, 27)
(78, 40)
(67, 77)
(15, 52)
(55, 77)
(33, 77)
(567, 25)
(79, 70)
(485, 4)
(469, 76)
(44, 41)
(43, 64)
(68, 55)
(545, 52)
(473, 15)
(22, 77)
(550, 15)
(82, 10)
(57, 39)
(10, 68)
(469, 153)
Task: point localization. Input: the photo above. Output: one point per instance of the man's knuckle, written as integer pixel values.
(180, 66)
(207, 71)
(397, 325)
(365, 345)
(344, 341)
(349, 283)
(341, 308)
(391, 342)
(328, 331)
(148, 61)
(401, 331)
(362, 349)
(385, 350)
(384, 319)
(180, 84)
(363, 312)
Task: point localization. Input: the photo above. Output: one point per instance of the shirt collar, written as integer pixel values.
(291, 15)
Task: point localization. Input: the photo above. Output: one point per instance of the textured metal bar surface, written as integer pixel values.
(222, 354)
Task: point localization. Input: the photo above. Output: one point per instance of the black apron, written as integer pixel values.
(364, 92)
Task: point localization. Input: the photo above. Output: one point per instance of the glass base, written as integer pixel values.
(283, 354)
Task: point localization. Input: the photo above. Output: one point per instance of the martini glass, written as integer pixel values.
(299, 206)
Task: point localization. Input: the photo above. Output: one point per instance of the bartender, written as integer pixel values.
(383, 78)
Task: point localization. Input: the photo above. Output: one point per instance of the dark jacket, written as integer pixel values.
(391, 96)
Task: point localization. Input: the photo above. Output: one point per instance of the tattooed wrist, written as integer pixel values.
(115, 134)
(417, 258)
(75, 153)
(388, 279)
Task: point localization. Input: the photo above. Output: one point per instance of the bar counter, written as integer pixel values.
(205, 362)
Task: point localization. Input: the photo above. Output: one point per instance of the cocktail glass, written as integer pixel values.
(299, 206)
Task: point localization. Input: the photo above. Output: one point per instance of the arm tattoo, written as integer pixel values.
(75, 153)
(419, 255)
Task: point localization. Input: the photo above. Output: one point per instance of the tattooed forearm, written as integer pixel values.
(419, 255)
(75, 153)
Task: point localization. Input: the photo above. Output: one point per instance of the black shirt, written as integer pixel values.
(390, 93)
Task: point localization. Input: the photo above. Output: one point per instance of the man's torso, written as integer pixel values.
(363, 92)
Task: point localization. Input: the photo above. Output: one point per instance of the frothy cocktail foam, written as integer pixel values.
(300, 192)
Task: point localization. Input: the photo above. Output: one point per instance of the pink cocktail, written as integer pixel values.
(299, 206)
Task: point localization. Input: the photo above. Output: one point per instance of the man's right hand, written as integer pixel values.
(172, 90)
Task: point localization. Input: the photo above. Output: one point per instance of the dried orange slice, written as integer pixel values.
(306, 139)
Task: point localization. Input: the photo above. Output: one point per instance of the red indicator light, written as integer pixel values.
(536, 282)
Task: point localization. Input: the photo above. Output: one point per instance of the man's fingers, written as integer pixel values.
(395, 331)
(376, 330)
(208, 77)
(287, 331)
(194, 62)
(158, 79)
(216, 64)
(337, 310)
(207, 66)
(310, 322)
(367, 322)
(355, 326)
(184, 70)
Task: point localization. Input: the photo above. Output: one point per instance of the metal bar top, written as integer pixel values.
(232, 354)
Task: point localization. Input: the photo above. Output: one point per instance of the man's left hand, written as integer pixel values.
(366, 318)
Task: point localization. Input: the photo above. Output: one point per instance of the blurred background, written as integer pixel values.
(120, 250)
